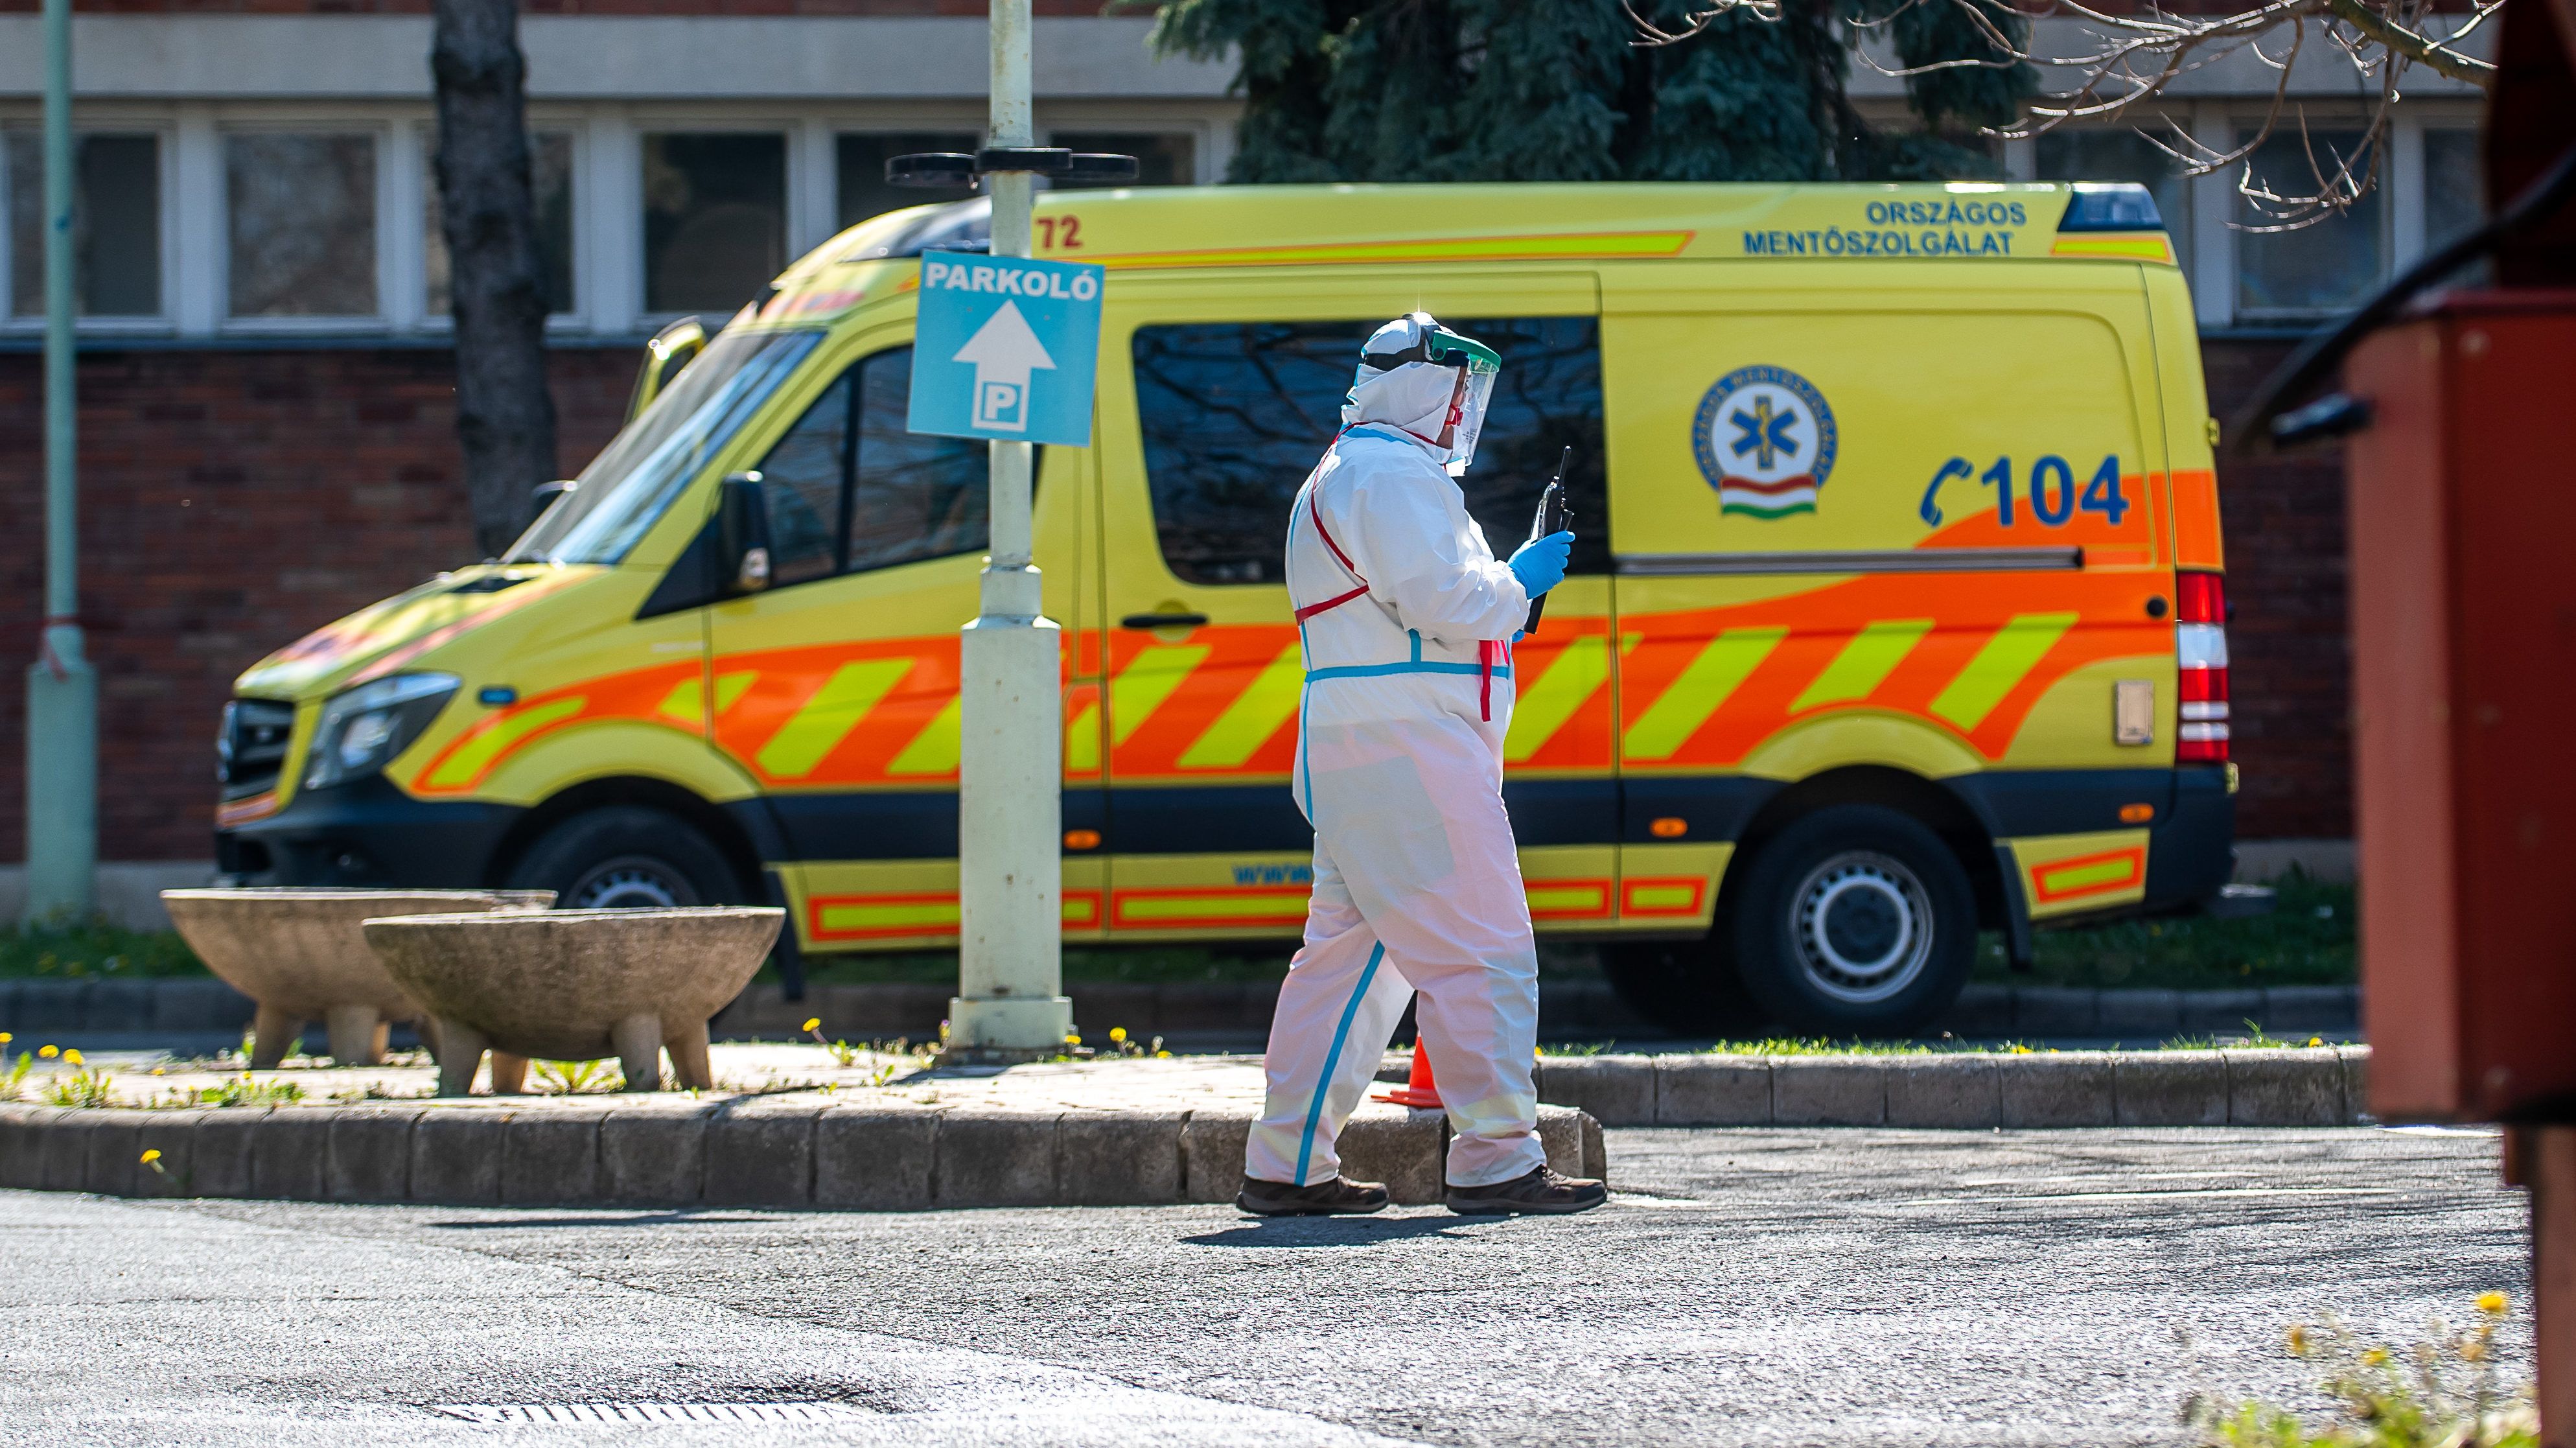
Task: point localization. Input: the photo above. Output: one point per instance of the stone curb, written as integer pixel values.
(871, 1012)
(744, 1152)
(2317, 1086)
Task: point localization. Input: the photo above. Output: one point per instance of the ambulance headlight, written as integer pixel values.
(367, 726)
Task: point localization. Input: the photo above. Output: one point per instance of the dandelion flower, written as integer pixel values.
(160, 1070)
(812, 1023)
(1072, 1039)
(2493, 1304)
(6, 1038)
(1162, 1055)
(1118, 1035)
(2375, 1357)
(72, 1057)
(2298, 1342)
(2316, 1040)
(49, 1052)
(151, 1156)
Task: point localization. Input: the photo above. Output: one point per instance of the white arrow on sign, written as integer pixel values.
(1004, 351)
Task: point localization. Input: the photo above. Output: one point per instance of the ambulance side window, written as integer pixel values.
(1234, 415)
(849, 490)
(803, 481)
(917, 496)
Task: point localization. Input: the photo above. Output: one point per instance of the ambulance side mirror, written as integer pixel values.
(742, 536)
(544, 496)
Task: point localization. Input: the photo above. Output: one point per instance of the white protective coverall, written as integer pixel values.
(1399, 768)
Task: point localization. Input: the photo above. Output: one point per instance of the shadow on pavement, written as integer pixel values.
(1328, 1231)
(633, 1219)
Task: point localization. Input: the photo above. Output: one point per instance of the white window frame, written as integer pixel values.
(541, 122)
(805, 209)
(105, 121)
(379, 129)
(973, 123)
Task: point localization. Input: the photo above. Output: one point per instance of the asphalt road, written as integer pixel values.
(1754, 1287)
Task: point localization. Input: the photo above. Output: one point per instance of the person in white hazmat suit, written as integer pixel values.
(1407, 620)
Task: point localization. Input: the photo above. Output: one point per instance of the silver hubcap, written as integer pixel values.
(1864, 927)
(630, 885)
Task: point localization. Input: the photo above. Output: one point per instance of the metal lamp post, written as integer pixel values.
(62, 689)
(1010, 1003)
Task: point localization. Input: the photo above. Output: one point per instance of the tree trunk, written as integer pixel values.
(505, 418)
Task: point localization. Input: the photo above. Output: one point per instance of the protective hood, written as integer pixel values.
(1408, 372)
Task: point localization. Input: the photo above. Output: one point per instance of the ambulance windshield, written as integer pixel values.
(624, 491)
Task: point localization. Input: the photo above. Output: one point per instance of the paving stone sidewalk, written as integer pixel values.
(790, 1126)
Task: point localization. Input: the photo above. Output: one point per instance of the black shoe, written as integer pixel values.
(1339, 1197)
(1539, 1191)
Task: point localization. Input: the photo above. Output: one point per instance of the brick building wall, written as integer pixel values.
(233, 500)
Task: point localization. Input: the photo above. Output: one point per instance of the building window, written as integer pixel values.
(2315, 269)
(2122, 155)
(116, 225)
(715, 219)
(2455, 184)
(1162, 158)
(300, 215)
(859, 163)
(550, 177)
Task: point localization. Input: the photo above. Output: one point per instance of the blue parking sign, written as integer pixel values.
(1005, 348)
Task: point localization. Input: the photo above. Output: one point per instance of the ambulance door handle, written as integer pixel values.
(1163, 620)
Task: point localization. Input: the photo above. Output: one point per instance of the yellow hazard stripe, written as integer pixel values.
(2140, 246)
(1252, 718)
(1704, 685)
(1474, 248)
(828, 717)
(2005, 661)
(1082, 742)
(935, 749)
(1568, 897)
(730, 687)
(685, 705)
(1554, 696)
(1269, 904)
(1145, 683)
(2070, 878)
(927, 917)
(477, 754)
(1864, 663)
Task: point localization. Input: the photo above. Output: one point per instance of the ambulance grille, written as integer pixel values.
(251, 747)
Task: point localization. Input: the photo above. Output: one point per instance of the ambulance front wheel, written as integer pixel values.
(626, 857)
(1855, 921)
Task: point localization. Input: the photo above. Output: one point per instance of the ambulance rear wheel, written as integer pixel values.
(626, 857)
(1855, 921)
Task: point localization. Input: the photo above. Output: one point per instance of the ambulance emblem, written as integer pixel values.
(1765, 440)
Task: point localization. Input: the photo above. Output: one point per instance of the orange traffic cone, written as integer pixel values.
(1419, 1091)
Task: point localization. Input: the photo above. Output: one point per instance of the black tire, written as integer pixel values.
(627, 857)
(1855, 921)
(1685, 987)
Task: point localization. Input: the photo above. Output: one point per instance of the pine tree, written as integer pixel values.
(1559, 90)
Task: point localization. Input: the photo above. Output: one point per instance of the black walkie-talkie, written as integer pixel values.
(1553, 517)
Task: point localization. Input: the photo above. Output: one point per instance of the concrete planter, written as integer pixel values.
(300, 953)
(575, 985)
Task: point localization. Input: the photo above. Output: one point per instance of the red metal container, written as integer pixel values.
(2463, 518)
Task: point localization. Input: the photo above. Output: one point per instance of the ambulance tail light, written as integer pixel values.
(2200, 659)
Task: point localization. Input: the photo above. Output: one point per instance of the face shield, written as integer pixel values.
(1417, 339)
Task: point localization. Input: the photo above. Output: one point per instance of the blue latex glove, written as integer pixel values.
(1540, 563)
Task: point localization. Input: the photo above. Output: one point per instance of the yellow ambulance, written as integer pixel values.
(1896, 612)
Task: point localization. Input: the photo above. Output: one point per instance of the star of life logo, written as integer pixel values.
(1765, 441)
